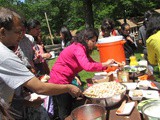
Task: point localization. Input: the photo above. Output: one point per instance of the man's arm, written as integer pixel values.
(39, 87)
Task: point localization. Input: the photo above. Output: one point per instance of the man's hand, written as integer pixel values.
(74, 91)
(37, 102)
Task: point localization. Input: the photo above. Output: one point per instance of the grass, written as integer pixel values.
(95, 55)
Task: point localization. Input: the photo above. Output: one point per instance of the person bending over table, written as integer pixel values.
(72, 60)
(153, 40)
(13, 73)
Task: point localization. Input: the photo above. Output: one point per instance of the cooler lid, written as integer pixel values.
(110, 39)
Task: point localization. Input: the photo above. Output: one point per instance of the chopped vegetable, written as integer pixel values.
(143, 77)
(153, 84)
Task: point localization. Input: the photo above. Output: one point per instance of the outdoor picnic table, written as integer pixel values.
(111, 111)
(134, 115)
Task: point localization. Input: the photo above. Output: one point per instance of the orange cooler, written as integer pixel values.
(111, 48)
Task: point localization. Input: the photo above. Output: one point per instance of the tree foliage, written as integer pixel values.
(72, 13)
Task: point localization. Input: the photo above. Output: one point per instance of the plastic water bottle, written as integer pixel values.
(143, 62)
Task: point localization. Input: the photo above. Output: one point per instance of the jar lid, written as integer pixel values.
(110, 39)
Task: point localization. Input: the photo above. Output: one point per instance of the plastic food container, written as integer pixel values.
(123, 76)
(136, 94)
(143, 84)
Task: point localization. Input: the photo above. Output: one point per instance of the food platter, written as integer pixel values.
(139, 94)
(145, 84)
(136, 94)
(104, 90)
(148, 94)
(135, 71)
(130, 86)
(105, 93)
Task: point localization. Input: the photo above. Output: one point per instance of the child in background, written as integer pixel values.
(40, 53)
(65, 36)
(67, 39)
(108, 28)
(130, 45)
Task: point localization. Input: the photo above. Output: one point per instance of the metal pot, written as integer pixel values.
(89, 112)
(151, 110)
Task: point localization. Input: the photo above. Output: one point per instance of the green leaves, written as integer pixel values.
(72, 12)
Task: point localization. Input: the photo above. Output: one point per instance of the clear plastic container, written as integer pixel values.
(123, 76)
(143, 62)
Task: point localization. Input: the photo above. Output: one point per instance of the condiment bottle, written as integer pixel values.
(123, 76)
(133, 61)
(143, 62)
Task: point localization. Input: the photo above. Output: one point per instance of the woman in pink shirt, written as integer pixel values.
(72, 60)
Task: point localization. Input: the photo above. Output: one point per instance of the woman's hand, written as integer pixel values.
(78, 80)
(120, 64)
(74, 91)
(112, 62)
(108, 62)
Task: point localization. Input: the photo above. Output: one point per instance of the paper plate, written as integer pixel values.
(150, 94)
(34, 96)
(130, 86)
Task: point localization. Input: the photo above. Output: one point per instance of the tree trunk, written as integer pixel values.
(88, 13)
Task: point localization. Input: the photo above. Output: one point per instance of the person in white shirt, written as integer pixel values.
(13, 73)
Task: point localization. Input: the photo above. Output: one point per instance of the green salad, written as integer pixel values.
(134, 69)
